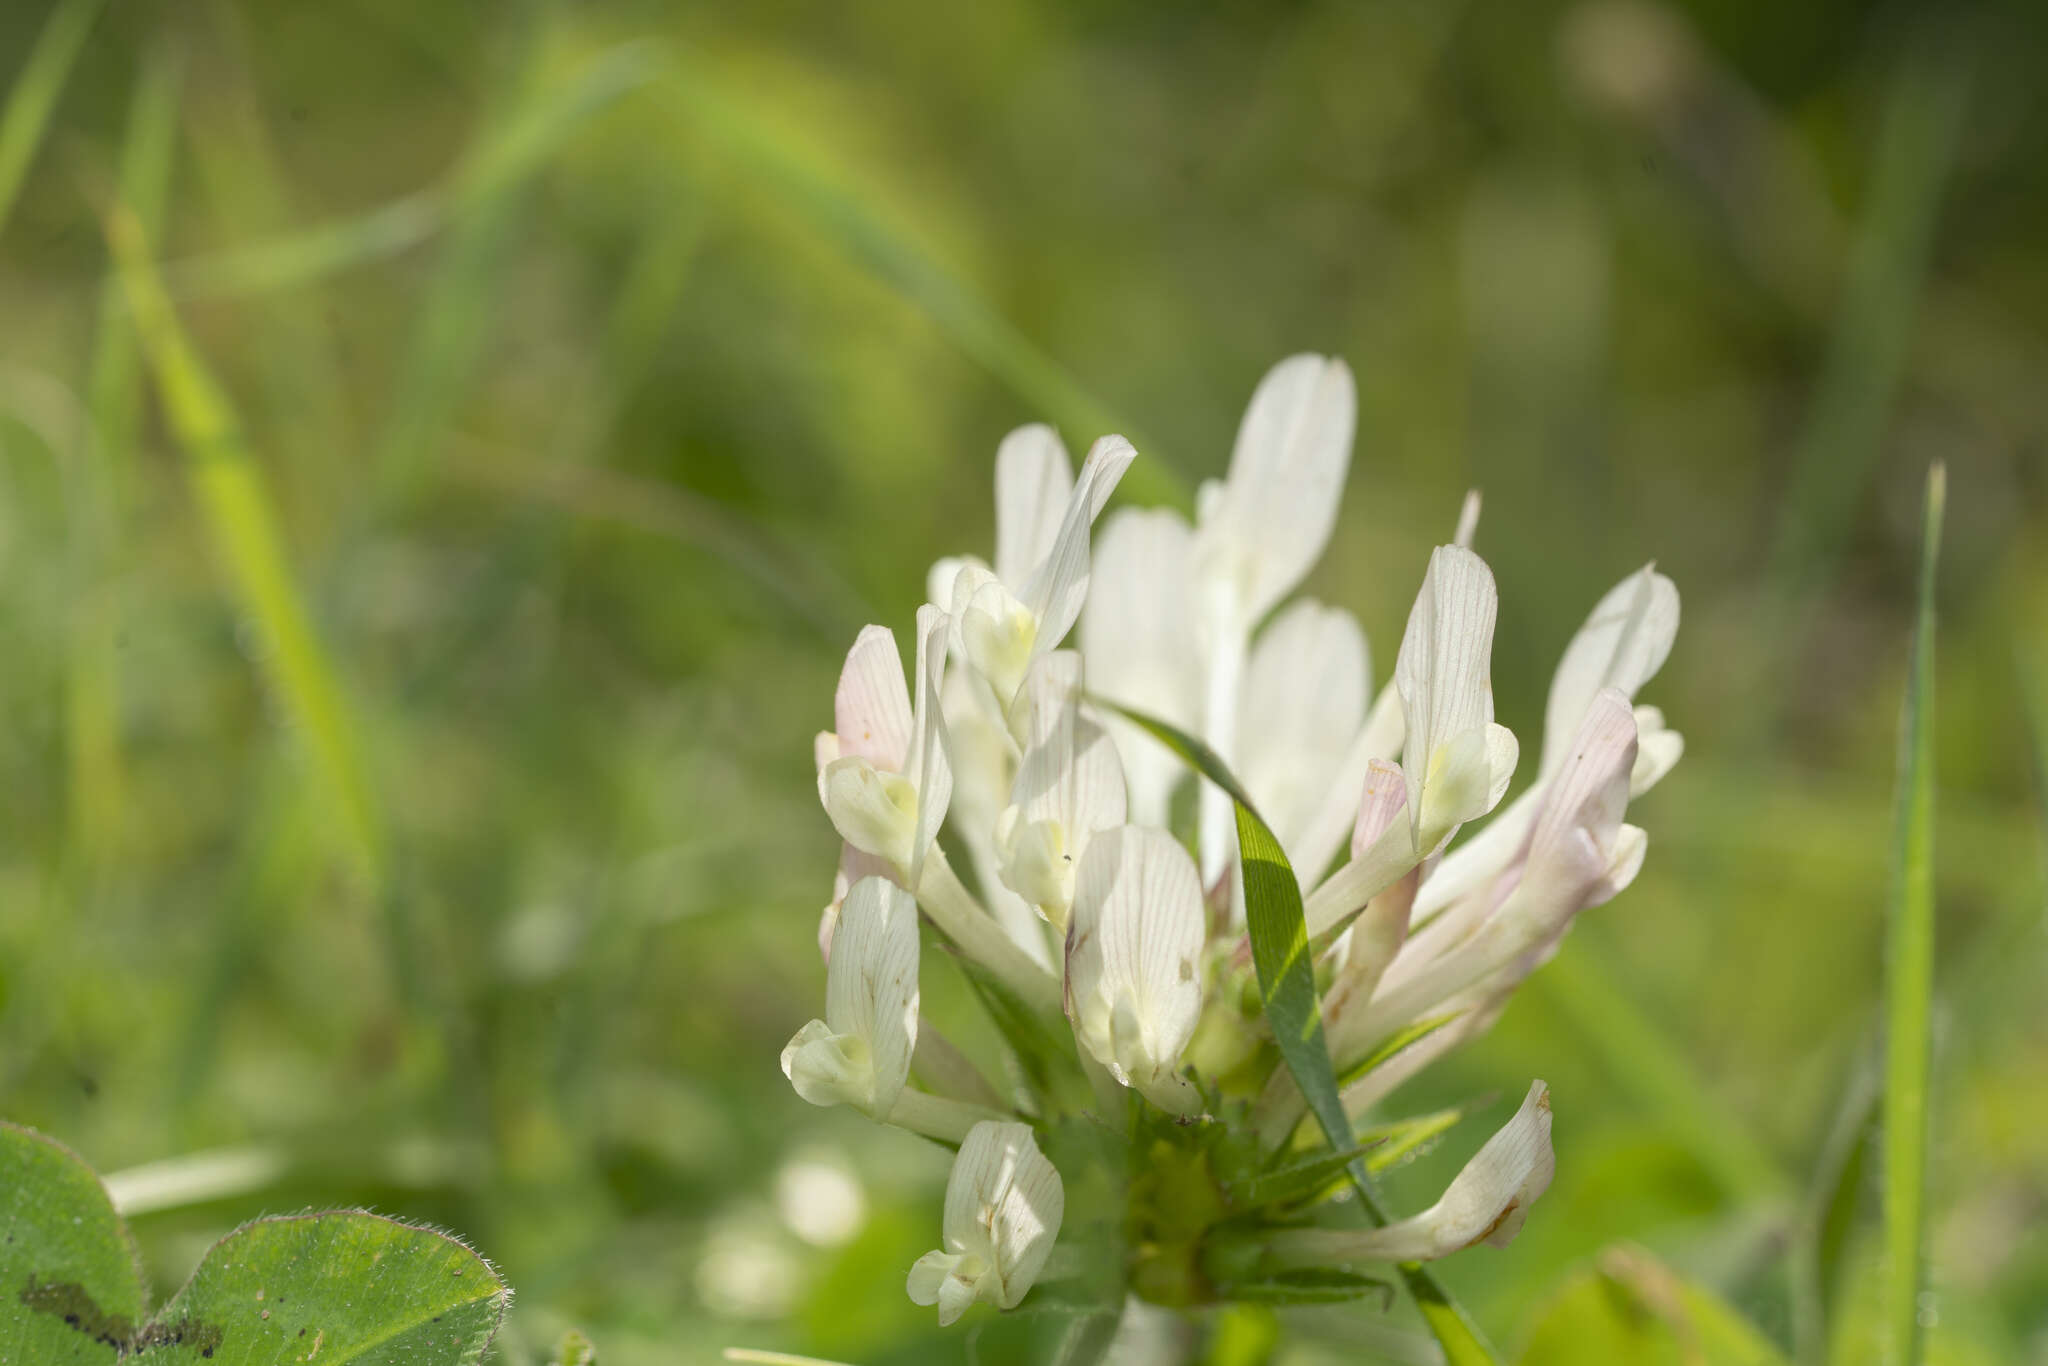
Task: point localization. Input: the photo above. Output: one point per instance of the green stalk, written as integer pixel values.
(1909, 977)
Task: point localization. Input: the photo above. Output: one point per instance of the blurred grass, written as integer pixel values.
(105, 482)
(604, 369)
(243, 525)
(25, 117)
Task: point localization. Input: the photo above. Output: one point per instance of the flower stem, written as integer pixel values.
(975, 933)
(938, 1117)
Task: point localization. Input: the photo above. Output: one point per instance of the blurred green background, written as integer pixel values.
(601, 367)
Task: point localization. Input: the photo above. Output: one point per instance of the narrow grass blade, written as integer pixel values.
(26, 116)
(92, 693)
(1287, 987)
(1399, 1041)
(243, 527)
(304, 256)
(1833, 1207)
(858, 229)
(1909, 975)
(1395, 1143)
(642, 313)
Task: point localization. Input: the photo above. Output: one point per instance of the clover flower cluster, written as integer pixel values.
(1089, 914)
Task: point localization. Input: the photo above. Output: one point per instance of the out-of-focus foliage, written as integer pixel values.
(599, 368)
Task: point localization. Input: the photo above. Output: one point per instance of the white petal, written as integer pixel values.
(1034, 482)
(943, 576)
(984, 766)
(1059, 585)
(998, 633)
(955, 1295)
(828, 1068)
(1070, 771)
(1139, 634)
(1004, 1203)
(1468, 520)
(1068, 786)
(1622, 645)
(1486, 1202)
(1590, 791)
(871, 709)
(1302, 706)
(1382, 853)
(1658, 750)
(1286, 478)
(1444, 675)
(1369, 945)
(927, 1275)
(874, 811)
(929, 762)
(871, 985)
(1379, 739)
(1625, 857)
(1577, 855)
(1134, 946)
(1383, 799)
(1502, 750)
(853, 866)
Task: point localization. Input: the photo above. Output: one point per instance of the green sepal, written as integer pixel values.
(1316, 1286)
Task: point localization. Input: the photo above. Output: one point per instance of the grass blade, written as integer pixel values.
(1909, 976)
(310, 254)
(455, 315)
(1833, 1207)
(92, 691)
(1287, 988)
(34, 96)
(243, 526)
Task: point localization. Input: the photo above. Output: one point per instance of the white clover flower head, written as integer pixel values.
(1108, 950)
(1004, 1203)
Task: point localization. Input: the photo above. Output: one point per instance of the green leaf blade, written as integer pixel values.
(345, 1289)
(70, 1290)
